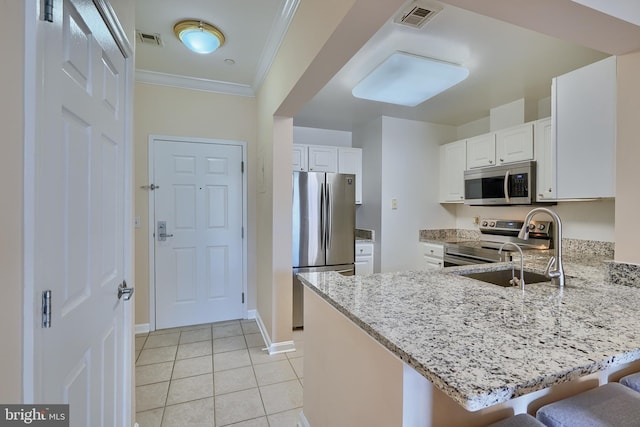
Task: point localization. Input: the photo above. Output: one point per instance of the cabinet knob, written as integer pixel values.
(431, 251)
(502, 160)
(490, 161)
(549, 190)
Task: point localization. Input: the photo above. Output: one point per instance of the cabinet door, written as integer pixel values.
(545, 157)
(481, 151)
(350, 161)
(453, 162)
(584, 116)
(300, 157)
(364, 265)
(515, 144)
(323, 159)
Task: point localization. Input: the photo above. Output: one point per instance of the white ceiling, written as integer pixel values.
(506, 62)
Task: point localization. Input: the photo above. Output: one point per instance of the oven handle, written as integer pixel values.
(466, 259)
(506, 187)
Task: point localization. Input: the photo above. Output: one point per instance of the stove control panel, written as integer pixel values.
(510, 227)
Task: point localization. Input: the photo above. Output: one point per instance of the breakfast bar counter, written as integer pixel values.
(484, 345)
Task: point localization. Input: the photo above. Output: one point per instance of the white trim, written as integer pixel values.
(113, 23)
(151, 219)
(273, 348)
(173, 80)
(302, 421)
(251, 314)
(142, 328)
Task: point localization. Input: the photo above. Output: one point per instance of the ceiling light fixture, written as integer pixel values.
(407, 79)
(199, 36)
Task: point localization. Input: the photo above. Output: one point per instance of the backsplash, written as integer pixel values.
(364, 234)
(445, 234)
(623, 273)
(592, 247)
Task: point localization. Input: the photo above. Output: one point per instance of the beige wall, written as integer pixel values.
(162, 110)
(628, 159)
(11, 184)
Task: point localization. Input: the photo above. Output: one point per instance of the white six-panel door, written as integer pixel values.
(79, 216)
(199, 264)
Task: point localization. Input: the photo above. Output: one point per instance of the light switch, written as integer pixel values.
(394, 204)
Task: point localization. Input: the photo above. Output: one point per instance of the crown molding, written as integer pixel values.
(185, 82)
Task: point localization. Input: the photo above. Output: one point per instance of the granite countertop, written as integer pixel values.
(483, 344)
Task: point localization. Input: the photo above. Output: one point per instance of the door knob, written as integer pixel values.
(124, 291)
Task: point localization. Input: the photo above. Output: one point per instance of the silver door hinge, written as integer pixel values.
(242, 167)
(242, 232)
(48, 10)
(46, 308)
(243, 297)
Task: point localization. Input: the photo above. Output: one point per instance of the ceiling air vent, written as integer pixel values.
(417, 14)
(146, 38)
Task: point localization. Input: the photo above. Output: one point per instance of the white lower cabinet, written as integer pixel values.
(433, 255)
(364, 258)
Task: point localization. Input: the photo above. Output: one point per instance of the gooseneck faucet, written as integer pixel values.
(557, 274)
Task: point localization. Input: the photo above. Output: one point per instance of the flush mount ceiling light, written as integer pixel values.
(199, 36)
(407, 79)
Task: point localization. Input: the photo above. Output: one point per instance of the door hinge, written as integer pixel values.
(242, 232)
(241, 167)
(243, 297)
(48, 10)
(46, 308)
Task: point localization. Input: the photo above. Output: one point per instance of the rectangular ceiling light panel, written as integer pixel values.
(407, 79)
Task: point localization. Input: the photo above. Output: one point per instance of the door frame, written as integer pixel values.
(33, 65)
(152, 215)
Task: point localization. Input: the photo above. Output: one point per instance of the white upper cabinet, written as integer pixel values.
(481, 151)
(515, 144)
(350, 161)
(453, 163)
(545, 156)
(584, 123)
(323, 159)
(300, 158)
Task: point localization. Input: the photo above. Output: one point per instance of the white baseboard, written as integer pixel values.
(273, 348)
(303, 422)
(142, 328)
(251, 314)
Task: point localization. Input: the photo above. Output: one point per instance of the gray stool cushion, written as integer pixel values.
(632, 381)
(610, 405)
(520, 420)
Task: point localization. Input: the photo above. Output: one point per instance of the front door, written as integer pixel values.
(79, 240)
(198, 247)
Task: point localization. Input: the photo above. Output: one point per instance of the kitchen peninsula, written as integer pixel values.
(434, 348)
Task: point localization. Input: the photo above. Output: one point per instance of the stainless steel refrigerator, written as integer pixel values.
(323, 228)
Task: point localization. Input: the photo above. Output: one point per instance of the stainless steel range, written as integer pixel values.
(494, 232)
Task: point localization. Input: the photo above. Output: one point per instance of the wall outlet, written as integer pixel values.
(394, 204)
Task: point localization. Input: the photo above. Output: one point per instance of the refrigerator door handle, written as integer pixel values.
(328, 199)
(323, 233)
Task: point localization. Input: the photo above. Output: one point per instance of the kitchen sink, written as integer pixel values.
(502, 277)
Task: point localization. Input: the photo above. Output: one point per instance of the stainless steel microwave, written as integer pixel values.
(513, 184)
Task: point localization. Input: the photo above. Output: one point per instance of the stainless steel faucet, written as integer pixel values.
(521, 263)
(557, 274)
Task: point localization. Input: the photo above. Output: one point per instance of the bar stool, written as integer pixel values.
(520, 420)
(610, 405)
(631, 381)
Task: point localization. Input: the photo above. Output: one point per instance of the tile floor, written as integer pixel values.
(216, 375)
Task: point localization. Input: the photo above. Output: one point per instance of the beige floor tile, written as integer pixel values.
(137, 355)
(298, 335)
(274, 372)
(156, 373)
(299, 350)
(250, 327)
(259, 356)
(191, 367)
(162, 340)
(151, 418)
(164, 331)
(231, 360)
(239, 406)
(256, 422)
(285, 419)
(297, 364)
(234, 380)
(192, 388)
(157, 355)
(140, 342)
(194, 327)
(282, 396)
(224, 331)
(151, 396)
(196, 349)
(222, 345)
(197, 413)
(195, 336)
(254, 340)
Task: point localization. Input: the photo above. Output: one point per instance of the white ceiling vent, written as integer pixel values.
(417, 14)
(147, 38)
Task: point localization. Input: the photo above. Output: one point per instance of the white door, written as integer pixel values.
(199, 264)
(79, 211)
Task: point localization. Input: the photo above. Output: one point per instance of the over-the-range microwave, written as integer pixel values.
(513, 184)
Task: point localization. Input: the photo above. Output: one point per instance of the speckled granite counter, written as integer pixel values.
(482, 344)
